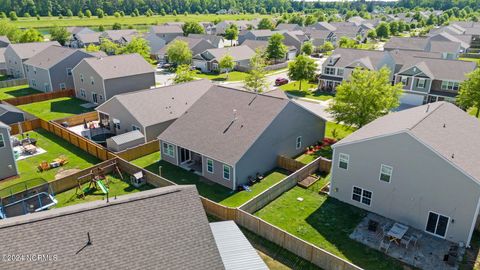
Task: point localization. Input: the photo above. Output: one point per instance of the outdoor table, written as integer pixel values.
(397, 232)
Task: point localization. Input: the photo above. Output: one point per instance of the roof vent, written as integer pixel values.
(444, 125)
(428, 107)
(234, 114)
(453, 156)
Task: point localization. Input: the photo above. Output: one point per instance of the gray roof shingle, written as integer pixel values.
(51, 56)
(163, 228)
(117, 66)
(27, 50)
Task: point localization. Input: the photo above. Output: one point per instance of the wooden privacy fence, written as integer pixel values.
(139, 151)
(297, 246)
(79, 119)
(25, 126)
(289, 164)
(13, 82)
(39, 97)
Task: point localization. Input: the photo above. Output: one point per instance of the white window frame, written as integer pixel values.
(168, 149)
(46, 87)
(424, 83)
(69, 72)
(329, 71)
(83, 93)
(92, 80)
(81, 78)
(135, 128)
(341, 157)
(63, 86)
(116, 124)
(362, 196)
(404, 80)
(450, 85)
(212, 166)
(436, 225)
(381, 172)
(2, 140)
(340, 71)
(298, 142)
(229, 172)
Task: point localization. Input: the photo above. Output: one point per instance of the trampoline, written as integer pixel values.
(26, 197)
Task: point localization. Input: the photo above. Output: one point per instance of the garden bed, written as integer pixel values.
(321, 149)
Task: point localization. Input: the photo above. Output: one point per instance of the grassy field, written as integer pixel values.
(55, 148)
(337, 131)
(55, 108)
(127, 20)
(116, 187)
(17, 91)
(232, 76)
(308, 91)
(326, 223)
(206, 188)
(477, 60)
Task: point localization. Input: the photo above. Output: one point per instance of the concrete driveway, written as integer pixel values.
(163, 77)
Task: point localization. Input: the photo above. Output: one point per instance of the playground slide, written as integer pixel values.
(102, 187)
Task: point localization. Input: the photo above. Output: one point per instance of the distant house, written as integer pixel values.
(219, 28)
(150, 111)
(4, 41)
(167, 32)
(74, 31)
(8, 166)
(319, 37)
(195, 45)
(449, 46)
(288, 27)
(10, 114)
(17, 53)
(208, 60)
(119, 36)
(136, 218)
(82, 40)
(229, 135)
(51, 69)
(416, 167)
(216, 41)
(98, 79)
(262, 45)
(3, 65)
(155, 43)
(255, 35)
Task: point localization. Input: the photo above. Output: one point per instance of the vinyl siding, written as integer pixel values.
(84, 69)
(8, 167)
(14, 64)
(129, 84)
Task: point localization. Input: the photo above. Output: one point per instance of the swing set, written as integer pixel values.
(98, 181)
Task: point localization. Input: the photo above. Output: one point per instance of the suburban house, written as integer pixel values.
(3, 65)
(288, 27)
(167, 32)
(119, 36)
(8, 166)
(415, 167)
(16, 54)
(264, 34)
(10, 114)
(262, 45)
(208, 60)
(74, 31)
(230, 135)
(155, 43)
(82, 40)
(467, 31)
(195, 45)
(4, 41)
(219, 28)
(51, 70)
(319, 37)
(98, 79)
(216, 41)
(168, 225)
(295, 38)
(150, 111)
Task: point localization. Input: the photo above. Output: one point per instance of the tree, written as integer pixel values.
(92, 48)
(383, 30)
(88, 13)
(231, 33)
(469, 94)
(13, 16)
(179, 53)
(69, 13)
(256, 79)
(80, 14)
(302, 68)
(99, 12)
(266, 23)
(184, 74)
(116, 26)
(30, 35)
(108, 46)
(309, 20)
(226, 63)
(60, 34)
(101, 28)
(275, 48)
(192, 28)
(372, 34)
(307, 48)
(327, 46)
(363, 98)
(138, 45)
(346, 42)
(393, 28)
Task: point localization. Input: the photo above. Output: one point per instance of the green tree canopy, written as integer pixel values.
(363, 98)
(327, 46)
(92, 48)
(302, 68)
(226, 63)
(275, 48)
(266, 23)
(192, 28)
(184, 74)
(256, 80)
(383, 30)
(469, 95)
(116, 26)
(179, 53)
(307, 48)
(109, 47)
(138, 45)
(60, 34)
(30, 35)
(231, 33)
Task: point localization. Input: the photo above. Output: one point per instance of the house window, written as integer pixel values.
(404, 80)
(116, 124)
(34, 70)
(26, 67)
(169, 150)
(448, 85)
(63, 86)
(69, 71)
(209, 165)
(34, 83)
(298, 144)
(329, 71)
(2, 141)
(81, 77)
(340, 72)
(362, 196)
(82, 93)
(343, 161)
(437, 224)
(226, 172)
(92, 80)
(386, 173)
(135, 127)
(46, 87)
(421, 83)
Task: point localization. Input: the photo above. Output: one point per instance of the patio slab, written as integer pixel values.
(428, 253)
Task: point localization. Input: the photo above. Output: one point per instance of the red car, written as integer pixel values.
(281, 81)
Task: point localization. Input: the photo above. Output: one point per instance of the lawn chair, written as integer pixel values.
(44, 166)
(382, 232)
(251, 180)
(385, 244)
(259, 176)
(406, 240)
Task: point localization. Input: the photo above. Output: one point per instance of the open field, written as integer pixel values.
(206, 188)
(55, 108)
(46, 22)
(17, 91)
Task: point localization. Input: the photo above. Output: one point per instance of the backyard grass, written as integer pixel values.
(55, 108)
(471, 259)
(477, 60)
(206, 188)
(3, 77)
(44, 22)
(55, 148)
(337, 131)
(233, 76)
(326, 223)
(17, 91)
(116, 187)
(307, 158)
(473, 112)
(308, 91)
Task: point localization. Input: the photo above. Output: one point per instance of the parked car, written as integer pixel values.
(281, 81)
(317, 55)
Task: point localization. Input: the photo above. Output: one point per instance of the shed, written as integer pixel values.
(10, 114)
(124, 141)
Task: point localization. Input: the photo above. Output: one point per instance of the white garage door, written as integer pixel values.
(200, 64)
(411, 99)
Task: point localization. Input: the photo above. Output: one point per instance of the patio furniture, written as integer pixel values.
(385, 244)
(29, 149)
(406, 240)
(397, 232)
(382, 232)
(372, 225)
(259, 176)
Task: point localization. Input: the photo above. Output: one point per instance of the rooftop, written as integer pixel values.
(27, 50)
(117, 66)
(51, 56)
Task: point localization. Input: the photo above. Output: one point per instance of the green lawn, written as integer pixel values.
(473, 112)
(116, 187)
(206, 188)
(17, 91)
(337, 131)
(307, 158)
(309, 90)
(55, 147)
(3, 77)
(127, 20)
(233, 76)
(471, 259)
(55, 108)
(326, 223)
(470, 59)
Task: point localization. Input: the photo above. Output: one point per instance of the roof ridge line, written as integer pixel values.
(426, 116)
